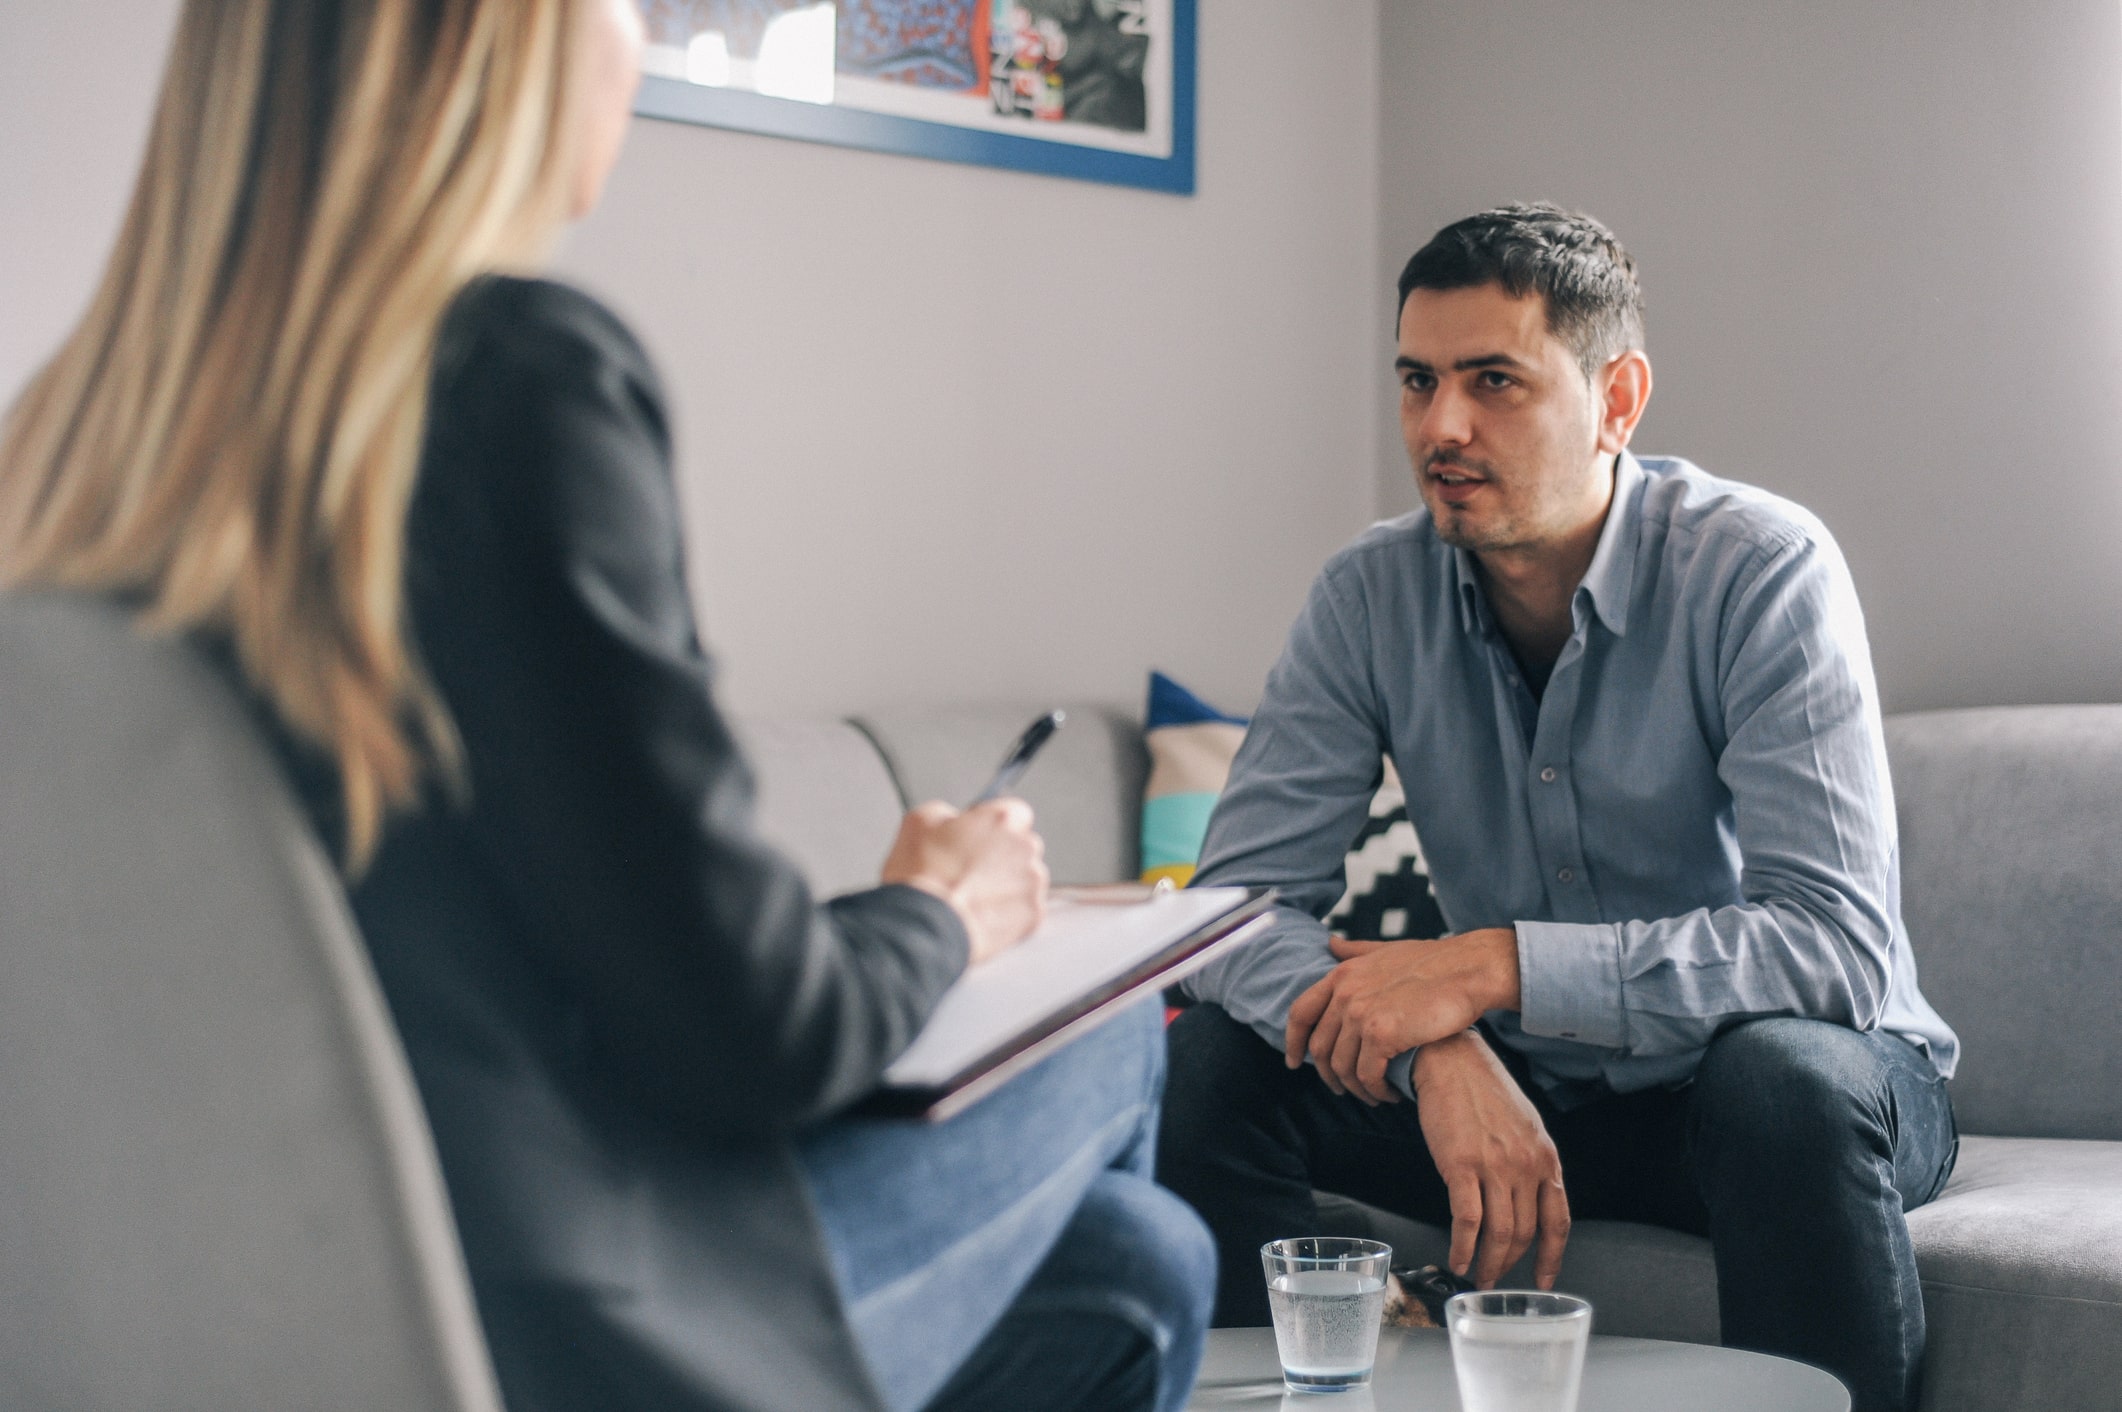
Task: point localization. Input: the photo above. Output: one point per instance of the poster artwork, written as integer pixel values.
(1077, 61)
(1094, 72)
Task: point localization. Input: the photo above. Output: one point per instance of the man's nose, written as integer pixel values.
(1449, 420)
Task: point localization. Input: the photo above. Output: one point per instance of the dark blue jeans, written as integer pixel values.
(1796, 1150)
(1019, 1255)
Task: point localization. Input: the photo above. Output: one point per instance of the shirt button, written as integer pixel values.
(1566, 875)
(1547, 776)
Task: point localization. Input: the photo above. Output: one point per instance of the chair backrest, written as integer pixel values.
(217, 1187)
(2011, 883)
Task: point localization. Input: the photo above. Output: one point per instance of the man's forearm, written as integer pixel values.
(1499, 984)
(1388, 997)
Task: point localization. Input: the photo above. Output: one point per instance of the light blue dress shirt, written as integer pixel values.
(1692, 826)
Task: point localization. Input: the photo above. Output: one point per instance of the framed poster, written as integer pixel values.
(1101, 90)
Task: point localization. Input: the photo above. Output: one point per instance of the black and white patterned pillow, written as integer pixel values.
(1389, 897)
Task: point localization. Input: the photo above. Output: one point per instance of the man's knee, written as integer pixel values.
(1219, 1072)
(1215, 1050)
(1787, 1091)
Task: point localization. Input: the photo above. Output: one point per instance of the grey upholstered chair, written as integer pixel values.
(217, 1189)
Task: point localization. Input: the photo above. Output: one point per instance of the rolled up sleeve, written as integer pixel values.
(1570, 982)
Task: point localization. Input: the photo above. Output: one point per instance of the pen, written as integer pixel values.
(1020, 756)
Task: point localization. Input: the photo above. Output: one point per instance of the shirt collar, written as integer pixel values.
(1608, 583)
(1612, 575)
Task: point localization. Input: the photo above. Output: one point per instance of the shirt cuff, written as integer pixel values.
(1400, 1073)
(1569, 982)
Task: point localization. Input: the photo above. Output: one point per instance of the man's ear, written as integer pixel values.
(1624, 391)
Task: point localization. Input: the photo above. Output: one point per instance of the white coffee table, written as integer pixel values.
(1414, 1374)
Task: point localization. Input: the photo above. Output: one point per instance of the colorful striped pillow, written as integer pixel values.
(1191, 744)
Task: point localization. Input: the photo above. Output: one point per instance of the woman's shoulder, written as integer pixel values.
(520, 363)
(505, 323)
(541, 401)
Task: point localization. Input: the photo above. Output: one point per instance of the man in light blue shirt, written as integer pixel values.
(1634, 713)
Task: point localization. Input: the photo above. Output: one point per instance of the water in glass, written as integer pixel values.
(1504, 1369)
(1326, 1326)
(1518, 1350)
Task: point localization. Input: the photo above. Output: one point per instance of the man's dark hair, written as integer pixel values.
(1574, 264)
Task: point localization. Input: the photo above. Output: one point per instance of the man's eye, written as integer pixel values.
(1493, 380)
(1418, 382)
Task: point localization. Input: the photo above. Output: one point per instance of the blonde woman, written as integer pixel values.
(318, 420)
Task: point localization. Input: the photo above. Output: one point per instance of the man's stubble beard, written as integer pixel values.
(1450, 521)
(1518, 527)
(1451, 524)
(1453, 530)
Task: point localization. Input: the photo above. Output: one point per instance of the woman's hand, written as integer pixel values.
(987, 863)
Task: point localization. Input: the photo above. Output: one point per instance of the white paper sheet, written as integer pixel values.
(1080, 948)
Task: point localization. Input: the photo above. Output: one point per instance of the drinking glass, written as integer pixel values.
(1518, 1350)
(1327, 1294)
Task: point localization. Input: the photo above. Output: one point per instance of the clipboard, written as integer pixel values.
(1085, 965)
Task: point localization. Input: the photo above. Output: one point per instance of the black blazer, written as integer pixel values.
(619, 1003)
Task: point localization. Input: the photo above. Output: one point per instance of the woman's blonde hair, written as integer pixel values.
(231, 434)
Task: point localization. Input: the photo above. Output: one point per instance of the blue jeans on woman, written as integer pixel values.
(1797, 1149)
(1020, 1255)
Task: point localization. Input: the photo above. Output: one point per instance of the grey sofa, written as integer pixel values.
(2011, 825)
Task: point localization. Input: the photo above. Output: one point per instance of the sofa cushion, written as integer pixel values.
(825, 798)
(2011, 828)
(2022, 1276)
(2028, 1216)
(2021, 1259)
(1085, 787)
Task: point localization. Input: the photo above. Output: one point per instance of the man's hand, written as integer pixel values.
(987, 863)
(1387, 997)
(1496, 1159)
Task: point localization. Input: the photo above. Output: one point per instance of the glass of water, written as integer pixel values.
(1327, 1294)
(1518, 1350)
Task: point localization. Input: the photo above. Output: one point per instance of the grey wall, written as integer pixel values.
(1882, 249)
(946, 432)
(952, 432)
(922, 407)
(76, 86)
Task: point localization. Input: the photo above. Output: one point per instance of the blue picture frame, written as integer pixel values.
(678, 101)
